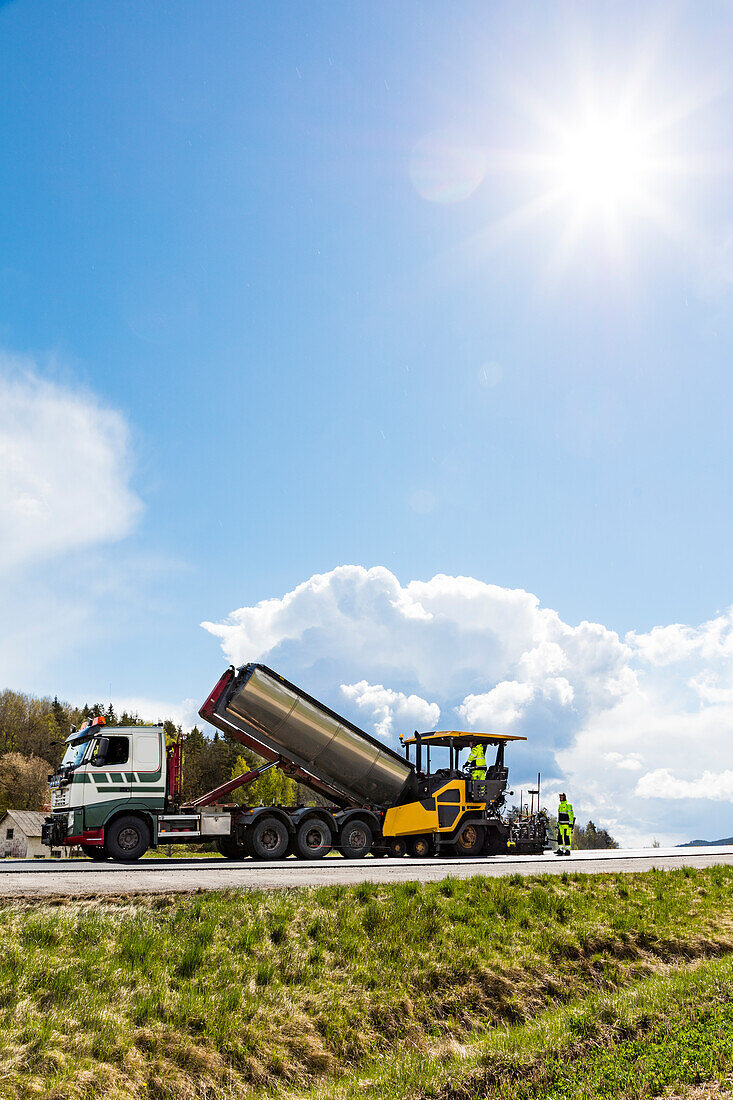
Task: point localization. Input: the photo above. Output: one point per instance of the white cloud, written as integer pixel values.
(65, 496)
(451, 636)
(499, 708)
(630, 763)
(675, 644)
(183, 713)
(64, 469)
(385, 707)
(602, 714)
(711, 786)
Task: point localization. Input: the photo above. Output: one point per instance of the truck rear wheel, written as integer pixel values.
(267, 838)
(127, 839)
(470, 842)
(355, 839)
(313, 839)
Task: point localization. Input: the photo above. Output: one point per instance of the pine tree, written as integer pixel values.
(60, 719)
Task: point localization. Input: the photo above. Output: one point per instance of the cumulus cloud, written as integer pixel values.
(619, 722)
(384, 707)
(183, 713)
(64, 469)
(451, 636)
(713, 786)
(499, 708)
(633, 762)
(65, 496)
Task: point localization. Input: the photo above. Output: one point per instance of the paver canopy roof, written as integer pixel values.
(460, 738)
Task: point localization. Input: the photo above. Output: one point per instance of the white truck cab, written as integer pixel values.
(105, 776)
(117, 792)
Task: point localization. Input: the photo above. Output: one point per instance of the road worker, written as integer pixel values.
(565, 822)
(477, 760)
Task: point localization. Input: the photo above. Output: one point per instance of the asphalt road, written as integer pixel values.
(43, 878)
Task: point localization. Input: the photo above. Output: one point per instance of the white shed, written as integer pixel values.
(20, 834)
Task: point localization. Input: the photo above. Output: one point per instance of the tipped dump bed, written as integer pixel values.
(346, 761)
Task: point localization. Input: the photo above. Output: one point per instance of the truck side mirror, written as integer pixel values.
(101, 752)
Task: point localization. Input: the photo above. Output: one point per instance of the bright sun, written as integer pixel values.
(601, 164)
(602, 171)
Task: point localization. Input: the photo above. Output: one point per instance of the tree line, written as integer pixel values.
(592, 838)
(33, 730)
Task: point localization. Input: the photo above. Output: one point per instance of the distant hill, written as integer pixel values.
(706, 843)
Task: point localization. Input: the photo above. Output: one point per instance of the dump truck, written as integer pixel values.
(118, 791)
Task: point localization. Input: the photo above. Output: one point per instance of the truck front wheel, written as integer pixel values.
(127, 839)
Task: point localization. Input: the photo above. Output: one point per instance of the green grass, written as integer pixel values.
(673, 1029)
(373, 990)
(183, 851)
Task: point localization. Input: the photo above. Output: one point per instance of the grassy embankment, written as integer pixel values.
(592, 986)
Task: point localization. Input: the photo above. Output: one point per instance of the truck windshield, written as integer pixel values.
(73, 755)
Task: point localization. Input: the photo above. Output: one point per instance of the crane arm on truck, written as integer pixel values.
(226, 788)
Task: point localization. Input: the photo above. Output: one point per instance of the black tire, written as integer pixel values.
(420, 847)
(355, 840)
(229, 848)
(314, 839)
(127, 838)
(96, 853)
(397, 847)
(470, 842)
(267, 838)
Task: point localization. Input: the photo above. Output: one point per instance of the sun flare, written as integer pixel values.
(602, 163)
(604, 172)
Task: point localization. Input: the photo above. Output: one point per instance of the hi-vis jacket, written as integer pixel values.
(477, 760)
(565, 815)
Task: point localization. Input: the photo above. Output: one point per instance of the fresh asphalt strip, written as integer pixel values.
(48, 865)
(47, 878)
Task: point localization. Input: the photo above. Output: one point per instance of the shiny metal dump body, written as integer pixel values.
(303, 731)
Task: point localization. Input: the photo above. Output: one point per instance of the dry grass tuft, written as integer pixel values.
(711, 1091)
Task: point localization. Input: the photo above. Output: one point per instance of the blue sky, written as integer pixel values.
(220, 238)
